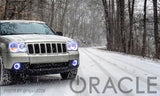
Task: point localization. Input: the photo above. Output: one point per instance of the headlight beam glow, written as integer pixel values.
(72, 46)
(17, 47)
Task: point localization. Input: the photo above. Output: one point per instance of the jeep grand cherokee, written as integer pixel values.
(32, 48)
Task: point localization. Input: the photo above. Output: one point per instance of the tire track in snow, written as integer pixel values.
(145, 71)
(143, 81)
(117, 65)
(130, 64)
(108, 73)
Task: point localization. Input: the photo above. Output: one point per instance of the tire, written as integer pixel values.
(69, 75)
(5, 75)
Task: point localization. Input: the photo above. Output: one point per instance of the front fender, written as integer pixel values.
(3, 48)
(3, 52)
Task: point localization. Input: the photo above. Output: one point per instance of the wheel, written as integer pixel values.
(69, 75)
(25, 78)
(5, 75)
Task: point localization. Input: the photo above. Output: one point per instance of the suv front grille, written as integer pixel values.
(43, 48)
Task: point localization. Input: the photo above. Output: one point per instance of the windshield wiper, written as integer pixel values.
(19, 33)
(10, 34)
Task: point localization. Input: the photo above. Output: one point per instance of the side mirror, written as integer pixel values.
(59, 33)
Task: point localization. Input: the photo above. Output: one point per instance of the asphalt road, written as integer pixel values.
(101, 73)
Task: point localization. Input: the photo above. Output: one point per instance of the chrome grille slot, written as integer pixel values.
(36, 47)
(44, 48)
(59, 48)
(64, 47)
(54, 48)
(30, 49)
(48, 48)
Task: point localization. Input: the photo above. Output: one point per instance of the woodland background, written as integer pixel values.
(129, 26)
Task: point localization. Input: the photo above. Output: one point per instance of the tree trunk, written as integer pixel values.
(156, 34)
(107, 21)
(5, 12)
(144, 30)
(122, 25)
(52, 14)
(63, 15)
(131, 16)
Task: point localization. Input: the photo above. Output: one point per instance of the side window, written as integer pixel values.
(53, 31)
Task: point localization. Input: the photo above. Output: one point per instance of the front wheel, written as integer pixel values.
(5, 75)
(5, 78)
(69, 75)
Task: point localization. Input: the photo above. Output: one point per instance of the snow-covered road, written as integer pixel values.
(101, 73)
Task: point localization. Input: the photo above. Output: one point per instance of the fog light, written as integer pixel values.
(75, 63)
(17, 66)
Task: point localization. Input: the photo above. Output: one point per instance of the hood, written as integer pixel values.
(36, 38)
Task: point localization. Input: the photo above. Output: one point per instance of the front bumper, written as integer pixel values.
(42, 69)
(11, 58)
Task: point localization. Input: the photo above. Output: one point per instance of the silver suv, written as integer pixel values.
(32, 48)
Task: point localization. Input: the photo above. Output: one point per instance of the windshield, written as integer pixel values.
(25, 28)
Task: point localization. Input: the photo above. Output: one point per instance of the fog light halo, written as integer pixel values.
(17, 66)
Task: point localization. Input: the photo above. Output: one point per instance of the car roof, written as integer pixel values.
(20, 21)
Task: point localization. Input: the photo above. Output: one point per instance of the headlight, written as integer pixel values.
(72, 46)
(17, 47)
